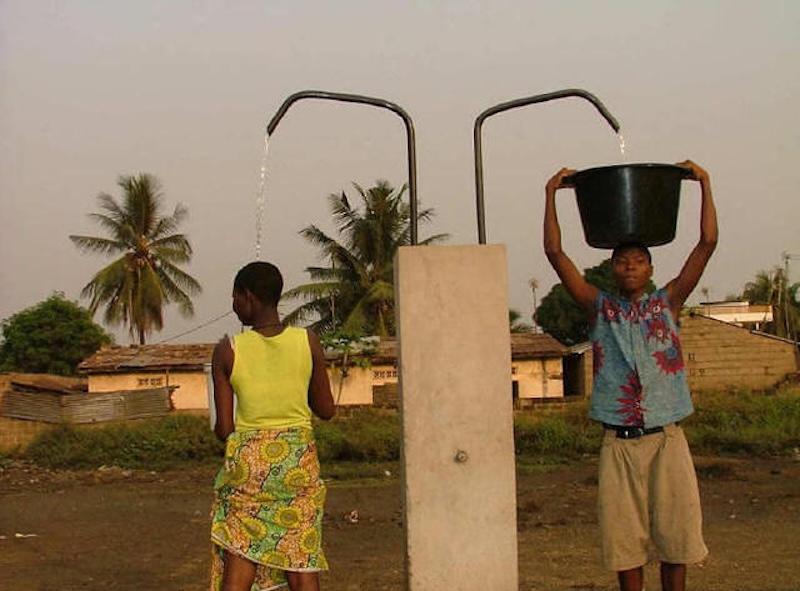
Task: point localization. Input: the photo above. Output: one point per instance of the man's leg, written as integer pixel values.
(631, 580)
(673, 577)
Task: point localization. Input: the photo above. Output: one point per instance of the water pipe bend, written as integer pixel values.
(512, 104)
(376, 102)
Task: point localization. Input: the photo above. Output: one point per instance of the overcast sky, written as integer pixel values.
(184, 89)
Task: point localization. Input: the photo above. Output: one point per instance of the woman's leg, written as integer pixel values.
(239, 573)
(302, 581)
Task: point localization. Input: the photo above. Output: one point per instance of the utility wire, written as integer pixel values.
(196, 328)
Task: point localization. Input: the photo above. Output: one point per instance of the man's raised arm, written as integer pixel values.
(582, 292)
(679, 288)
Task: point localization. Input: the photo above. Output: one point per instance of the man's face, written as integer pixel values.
(632, 270)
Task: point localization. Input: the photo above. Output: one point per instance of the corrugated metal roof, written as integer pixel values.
(43, 382)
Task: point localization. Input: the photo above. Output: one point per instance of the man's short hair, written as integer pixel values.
(262, 279)
(620, 248)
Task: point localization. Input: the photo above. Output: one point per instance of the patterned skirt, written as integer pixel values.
(268, 505)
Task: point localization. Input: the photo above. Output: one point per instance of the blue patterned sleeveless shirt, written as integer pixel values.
(639, 375)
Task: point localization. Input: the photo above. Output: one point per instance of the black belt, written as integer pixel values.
(631, 432)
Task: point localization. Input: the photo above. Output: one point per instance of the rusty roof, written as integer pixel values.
(120, 359)
(528, 345)
(43, 382)
(188, 357)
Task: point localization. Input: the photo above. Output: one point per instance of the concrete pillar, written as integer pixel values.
(459, 480)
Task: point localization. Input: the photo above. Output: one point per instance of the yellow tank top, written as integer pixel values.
(270, 377)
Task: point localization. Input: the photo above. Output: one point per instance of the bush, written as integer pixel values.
(152, 444)
(367, 435)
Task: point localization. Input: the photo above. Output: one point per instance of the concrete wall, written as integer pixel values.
(192, 392)
(17, 433)
(538, 378)
(720, 356)
(355, 389)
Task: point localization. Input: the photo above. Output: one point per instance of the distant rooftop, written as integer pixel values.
(192, 357)
(739, 313)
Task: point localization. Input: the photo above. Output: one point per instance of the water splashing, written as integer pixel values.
(261, 197)
(621, 144)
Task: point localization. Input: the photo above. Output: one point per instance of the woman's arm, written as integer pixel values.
(320, 398)
(221, 366)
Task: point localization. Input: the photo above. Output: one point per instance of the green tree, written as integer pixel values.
(772, 288)
(355, 293)
(53, 336)
(559, 315)
(146, 275)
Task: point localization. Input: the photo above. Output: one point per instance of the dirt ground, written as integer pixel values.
(111, 529)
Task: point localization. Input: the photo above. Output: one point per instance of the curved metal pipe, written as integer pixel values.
(356, 98)
(505, 106)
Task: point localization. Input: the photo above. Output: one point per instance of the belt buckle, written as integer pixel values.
(632, 432)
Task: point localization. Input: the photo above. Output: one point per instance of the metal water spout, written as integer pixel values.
(356, 98)
(505, 106)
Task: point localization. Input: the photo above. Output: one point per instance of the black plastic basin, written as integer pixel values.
(629, 203)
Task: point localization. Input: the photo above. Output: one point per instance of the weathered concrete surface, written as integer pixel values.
(456, 406)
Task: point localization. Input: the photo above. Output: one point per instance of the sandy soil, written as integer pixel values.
(111, 529)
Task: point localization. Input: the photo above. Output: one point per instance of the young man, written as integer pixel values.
(648, 495)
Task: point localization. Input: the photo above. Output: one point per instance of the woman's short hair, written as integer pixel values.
(262, 279)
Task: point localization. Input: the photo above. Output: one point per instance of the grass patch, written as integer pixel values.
(159, 444)
(365, 435)
(745, 423)
(556, 434)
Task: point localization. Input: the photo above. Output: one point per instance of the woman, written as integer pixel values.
(268, 506)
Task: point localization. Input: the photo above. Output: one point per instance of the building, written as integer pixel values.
(536, 372)
(180, 368)
(742, 314)
(723, 356)
(718, 355)
(537, 369)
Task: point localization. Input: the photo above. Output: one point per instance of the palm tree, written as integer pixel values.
(135, 287)
(772, 288)
(533, 283)
(355, 294)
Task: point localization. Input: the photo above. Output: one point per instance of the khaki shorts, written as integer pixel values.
(649, 504)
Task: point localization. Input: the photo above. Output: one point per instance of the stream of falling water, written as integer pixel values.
(621, 145)
(261, 198)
